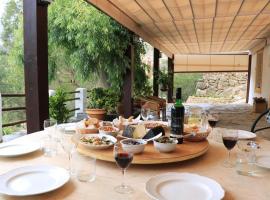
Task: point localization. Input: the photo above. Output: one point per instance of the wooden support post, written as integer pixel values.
(36, 63)
(127, 94)
(249, 74)
(171, 76)
(155, 72)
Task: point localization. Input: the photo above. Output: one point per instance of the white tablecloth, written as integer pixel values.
(108, 175)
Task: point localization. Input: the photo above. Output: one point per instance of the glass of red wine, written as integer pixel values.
(123, 160)
(229, 138)
(212, 120)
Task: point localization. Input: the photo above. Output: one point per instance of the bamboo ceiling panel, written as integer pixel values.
(193, 26)
(206, 63)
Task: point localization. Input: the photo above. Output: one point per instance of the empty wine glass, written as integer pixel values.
(50, 139)
(229, 138)
(49, 126)
(67, 144)
(152, 115)
(144, 113)
(123, 160)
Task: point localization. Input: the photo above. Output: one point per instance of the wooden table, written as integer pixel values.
(108, 175)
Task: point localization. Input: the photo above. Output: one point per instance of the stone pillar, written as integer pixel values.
(81, 103)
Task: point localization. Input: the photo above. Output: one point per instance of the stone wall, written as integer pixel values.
(224, 85)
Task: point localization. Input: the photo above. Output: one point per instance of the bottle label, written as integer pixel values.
(176, 125)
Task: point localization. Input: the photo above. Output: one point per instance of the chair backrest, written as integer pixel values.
(268, 117)
(151, 105)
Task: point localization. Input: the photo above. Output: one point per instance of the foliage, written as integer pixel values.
(11, 74)
(86, 49)
(57, 106)
(141, 86)
(102, 98)
(9, 22)
(187, 81)
(163, 78)
(93, 44)
(11, 51)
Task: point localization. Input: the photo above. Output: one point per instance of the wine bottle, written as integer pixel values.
(177, 118)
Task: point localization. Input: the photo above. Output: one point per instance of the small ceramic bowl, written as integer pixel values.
(165, 147)
(134, 146)
(109, 130)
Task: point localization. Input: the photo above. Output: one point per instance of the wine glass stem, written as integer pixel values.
(69, 160)
(229, 157)
(123, 177)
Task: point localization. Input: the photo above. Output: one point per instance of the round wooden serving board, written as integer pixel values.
(150, 155)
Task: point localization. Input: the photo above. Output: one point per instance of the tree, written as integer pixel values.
(93, 43)
(10, 21)
(11, 65)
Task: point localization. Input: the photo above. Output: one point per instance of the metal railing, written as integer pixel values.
(23, 108)
(13, 109)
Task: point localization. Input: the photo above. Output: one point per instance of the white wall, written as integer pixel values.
(265, 89)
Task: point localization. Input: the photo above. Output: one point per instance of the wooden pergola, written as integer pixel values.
(173, 27)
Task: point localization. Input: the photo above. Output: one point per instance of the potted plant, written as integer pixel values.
(57, 106)
(100, 102)
(163, 80)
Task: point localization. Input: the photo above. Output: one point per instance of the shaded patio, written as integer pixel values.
(201, 30)
(197, 36)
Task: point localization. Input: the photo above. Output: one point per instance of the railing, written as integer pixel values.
(73, 99)
(13, 109)
(79, 105)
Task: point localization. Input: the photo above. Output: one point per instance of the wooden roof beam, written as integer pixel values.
(194, 27)
(113, 11)
(153, 21)
(250, 25)
(231, 25)
(213, 24)
(173, 20)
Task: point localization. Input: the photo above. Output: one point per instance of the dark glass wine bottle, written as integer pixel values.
(177, 118)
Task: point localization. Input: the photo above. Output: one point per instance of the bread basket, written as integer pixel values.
(199, 134)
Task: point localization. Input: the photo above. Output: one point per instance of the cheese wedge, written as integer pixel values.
(139, 132)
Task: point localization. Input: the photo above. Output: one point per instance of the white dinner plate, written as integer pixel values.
(245, 135)
(12, 149)
(33, 180)
(98, 147)
(263, 161)
(183, 186)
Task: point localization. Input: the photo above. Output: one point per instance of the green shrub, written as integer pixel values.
(101, 98)
(187, 81)
(57, 106)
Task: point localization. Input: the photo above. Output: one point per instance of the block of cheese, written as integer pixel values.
(139, 131)
(128, 131)
(134, 131)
